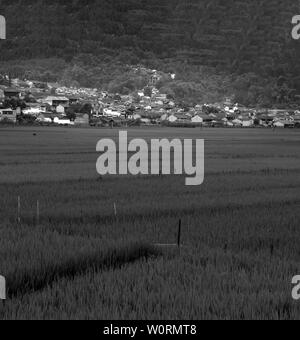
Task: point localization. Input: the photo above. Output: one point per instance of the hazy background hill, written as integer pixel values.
(209, 43)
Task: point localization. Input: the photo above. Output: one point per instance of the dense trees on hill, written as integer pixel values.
(235, 37)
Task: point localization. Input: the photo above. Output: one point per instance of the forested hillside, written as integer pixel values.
(233, 36)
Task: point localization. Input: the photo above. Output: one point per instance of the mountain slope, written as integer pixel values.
(238, 36)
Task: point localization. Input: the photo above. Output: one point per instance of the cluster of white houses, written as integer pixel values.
(46, 107)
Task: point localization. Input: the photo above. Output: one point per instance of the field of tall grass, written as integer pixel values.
(240, 229)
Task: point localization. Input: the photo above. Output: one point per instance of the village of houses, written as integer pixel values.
(50, 104)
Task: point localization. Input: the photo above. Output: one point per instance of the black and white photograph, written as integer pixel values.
(149, 162)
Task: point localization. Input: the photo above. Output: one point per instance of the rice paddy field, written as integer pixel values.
(240, 229)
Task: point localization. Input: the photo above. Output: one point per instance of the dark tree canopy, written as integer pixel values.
(234, 36)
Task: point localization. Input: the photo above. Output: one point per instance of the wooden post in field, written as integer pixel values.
(19, 210)
(2, 291)
(37, 213)
(115, 210)
(179, 235)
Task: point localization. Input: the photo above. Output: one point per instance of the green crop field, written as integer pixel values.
(240, 229)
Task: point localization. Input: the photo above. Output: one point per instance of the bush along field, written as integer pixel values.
(92, 253)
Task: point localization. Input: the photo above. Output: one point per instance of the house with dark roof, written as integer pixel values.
(8, 115)
(12, 93)
(56, 101)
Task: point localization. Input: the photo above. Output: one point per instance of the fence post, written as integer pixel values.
(19, 210)
(37, 213)
(115, 210)
(179, 235)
